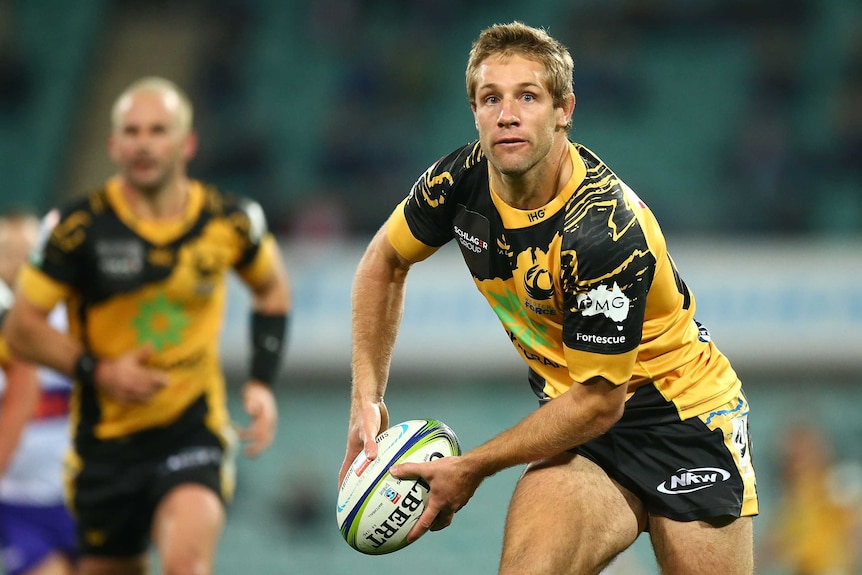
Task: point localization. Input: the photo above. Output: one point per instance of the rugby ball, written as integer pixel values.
(375, 510)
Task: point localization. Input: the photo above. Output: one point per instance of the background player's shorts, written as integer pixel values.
(115, 497)
(699, 468)
(30, 533)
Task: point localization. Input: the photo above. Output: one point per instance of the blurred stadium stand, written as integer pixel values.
(45, 56)
(735, 120)
(727, 117)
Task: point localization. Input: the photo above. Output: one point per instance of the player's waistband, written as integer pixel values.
(145, 443)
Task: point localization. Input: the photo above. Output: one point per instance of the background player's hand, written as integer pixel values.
(128, 379)
(259, 402)
(367, 421)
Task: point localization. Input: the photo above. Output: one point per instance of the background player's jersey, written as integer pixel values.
(35, 471)
(584, 286)
(132, 283)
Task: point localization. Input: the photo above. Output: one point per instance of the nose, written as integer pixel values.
(508, 113)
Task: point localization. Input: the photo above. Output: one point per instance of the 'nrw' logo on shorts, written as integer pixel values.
(689, 480)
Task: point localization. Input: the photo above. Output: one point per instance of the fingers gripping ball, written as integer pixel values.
(376, 511)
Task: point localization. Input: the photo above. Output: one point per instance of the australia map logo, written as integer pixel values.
(612, 303)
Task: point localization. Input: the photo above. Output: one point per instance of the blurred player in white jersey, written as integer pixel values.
(37, 535)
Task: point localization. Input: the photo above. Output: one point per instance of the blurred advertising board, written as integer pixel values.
(777, 306)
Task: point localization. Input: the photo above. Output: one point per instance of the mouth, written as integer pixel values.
(143, 163)
(510, 142)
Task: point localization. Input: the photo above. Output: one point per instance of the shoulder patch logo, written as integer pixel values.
(426, 186)
(612, 303)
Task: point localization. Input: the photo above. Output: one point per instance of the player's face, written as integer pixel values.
(515, 114)
(149, 144)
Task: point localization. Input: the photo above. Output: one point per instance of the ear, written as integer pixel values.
(475, 120)
(190, 146)
(564, 113)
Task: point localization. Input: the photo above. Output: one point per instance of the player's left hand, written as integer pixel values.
(259, 402)
(452, 483)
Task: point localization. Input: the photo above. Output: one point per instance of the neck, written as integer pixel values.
(540, 184)
(165, 203)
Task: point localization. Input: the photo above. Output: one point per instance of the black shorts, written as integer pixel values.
(699, 468)
(120, 483)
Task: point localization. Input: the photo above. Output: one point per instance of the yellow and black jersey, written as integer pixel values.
(131, 283)
(584, 286)
(7, 298)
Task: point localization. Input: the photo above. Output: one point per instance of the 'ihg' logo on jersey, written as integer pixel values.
(536, 216)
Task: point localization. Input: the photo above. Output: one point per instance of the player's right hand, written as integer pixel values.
(128, 379)
(367, 421)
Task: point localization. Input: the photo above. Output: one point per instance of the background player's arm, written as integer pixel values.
(271, 298)
(378, 304)
(16, 407)
(271, 295)
(31, 337)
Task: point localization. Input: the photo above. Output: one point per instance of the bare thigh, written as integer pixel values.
(725, 547)
(568, 517)
(186, 529)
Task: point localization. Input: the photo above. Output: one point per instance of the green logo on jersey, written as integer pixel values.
(159, 322)
(514, 316)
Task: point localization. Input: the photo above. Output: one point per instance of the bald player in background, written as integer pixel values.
(142, 263)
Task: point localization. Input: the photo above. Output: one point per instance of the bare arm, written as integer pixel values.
(583, 413)
(16, 409)
(579, 415)
(30, 336)
(270, 297)
(378, 304)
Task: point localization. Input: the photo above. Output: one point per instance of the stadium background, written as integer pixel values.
(738, 121)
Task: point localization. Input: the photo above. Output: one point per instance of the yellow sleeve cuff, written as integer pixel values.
(261, 266)
(403, 240)
(583, 365)
(40, 290)
(5, 354)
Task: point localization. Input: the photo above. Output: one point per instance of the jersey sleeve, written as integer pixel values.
(57, 262)
(609, 268)
(256, 244)
(6, 301)
(400, 235)
(422, 222)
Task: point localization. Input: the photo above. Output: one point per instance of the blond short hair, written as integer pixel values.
(518, 39)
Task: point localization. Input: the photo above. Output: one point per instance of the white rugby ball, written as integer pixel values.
(375, 510)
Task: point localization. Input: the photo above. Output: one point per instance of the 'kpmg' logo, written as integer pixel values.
(612, 303)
